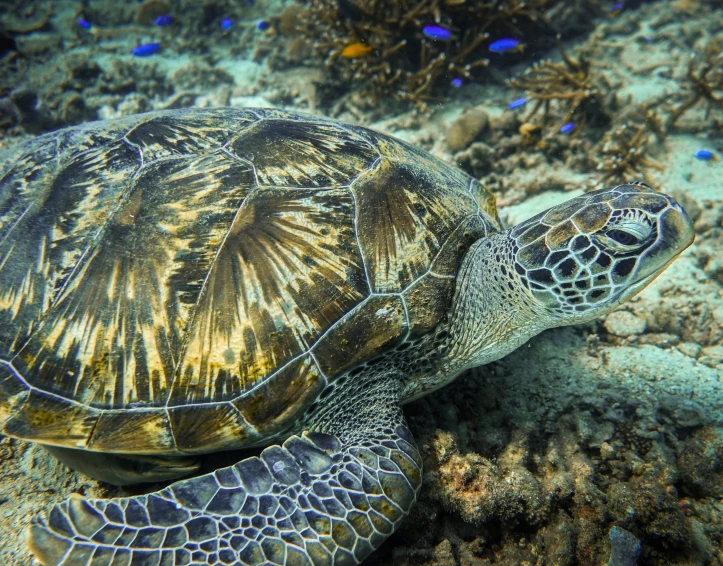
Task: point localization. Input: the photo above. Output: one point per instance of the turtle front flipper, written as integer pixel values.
(330, 496)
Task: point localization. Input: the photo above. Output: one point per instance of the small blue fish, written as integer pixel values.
(226, 24)
(146, 50)
(85, 24)
(438, 33)
(263, 25)
(567, 128)
(615, 9)
(519, 103)
(704, 155)
(163, 21)
(505, 45)
(456, 82)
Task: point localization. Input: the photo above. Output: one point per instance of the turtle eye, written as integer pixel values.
(627, 233)
(623, 237)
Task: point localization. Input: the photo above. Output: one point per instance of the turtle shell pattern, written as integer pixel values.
(189, 281)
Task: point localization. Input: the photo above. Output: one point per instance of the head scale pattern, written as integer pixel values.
(594, 250)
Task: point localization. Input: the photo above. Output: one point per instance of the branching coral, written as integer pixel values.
(570, 86)
(392, 56)
(705, 82)
(623, 154)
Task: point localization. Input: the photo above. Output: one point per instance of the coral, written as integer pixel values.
(570, 89)
(622, 154)
(403, 63)
(704, 82)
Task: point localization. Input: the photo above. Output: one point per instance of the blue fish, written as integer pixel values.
(165, 20)
(438, 33)
(704, 155)
(456, 82)
(567, 128)
(146, 50)
(615, 9)
(519, 103)
(505, 45)
(226, 24)
(263, 25)
(85, 24)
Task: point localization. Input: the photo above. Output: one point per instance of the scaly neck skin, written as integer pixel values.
(493, 312)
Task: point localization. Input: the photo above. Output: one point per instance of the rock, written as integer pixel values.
(466, 128)
(625, 324)
(659, 339)
(711, 356)
(625, 548)
(701, 463)
(690, 349)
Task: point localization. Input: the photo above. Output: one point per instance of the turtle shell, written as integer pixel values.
(189, 281)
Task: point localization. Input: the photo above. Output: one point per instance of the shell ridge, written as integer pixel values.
(367, 276)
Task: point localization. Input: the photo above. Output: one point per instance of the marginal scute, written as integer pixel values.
(208, 428)
(376, 325)
(51, 419)
(280, 400)
(427, 302)
(125, 431)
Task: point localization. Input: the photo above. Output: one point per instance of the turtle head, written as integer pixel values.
(583, 258)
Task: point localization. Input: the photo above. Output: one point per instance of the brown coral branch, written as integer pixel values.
(705, 82)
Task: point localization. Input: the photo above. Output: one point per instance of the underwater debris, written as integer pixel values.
(416, 48)
(570, 86)
(704, 82)
(623, 156)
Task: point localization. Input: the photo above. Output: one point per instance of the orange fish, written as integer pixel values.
(355, 50)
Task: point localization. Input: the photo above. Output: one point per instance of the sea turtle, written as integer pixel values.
(190, 281)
